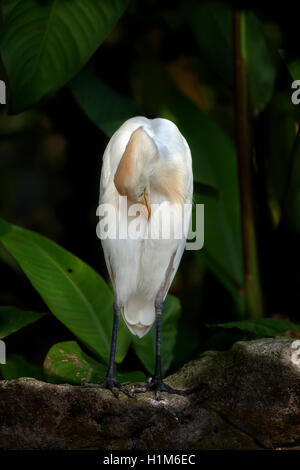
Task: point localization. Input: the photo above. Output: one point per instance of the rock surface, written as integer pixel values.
(251, 401)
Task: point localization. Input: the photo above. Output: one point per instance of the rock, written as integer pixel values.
(251, 400)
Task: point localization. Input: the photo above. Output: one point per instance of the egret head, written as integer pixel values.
(136, 168)
(144, 171)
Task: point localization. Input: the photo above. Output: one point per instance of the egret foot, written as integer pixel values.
(159, 386)
(112, 384)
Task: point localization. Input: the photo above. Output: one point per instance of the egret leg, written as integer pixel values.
(110, 382)
(156, 383)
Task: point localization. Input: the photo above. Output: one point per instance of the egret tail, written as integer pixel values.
(139, 314)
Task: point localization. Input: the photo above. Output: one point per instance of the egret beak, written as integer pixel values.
(147, 205)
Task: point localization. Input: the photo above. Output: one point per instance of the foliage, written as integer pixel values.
(103, 105)
(263, 326)
(44, 44)
(144, 347)
(81, 300)
(66, 362)
(13, 319)
(71, 289)
(16, 366)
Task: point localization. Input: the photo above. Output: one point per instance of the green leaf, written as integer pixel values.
(211, 23)
(261, 64)
(67, 363)
(294, 68)
(145, 347)
(44, 44)
(13, 319)
(280, 119)
(187, 343)
(72, 290)
(262, 326)
(16, 367)
(206, 189)
(105, 107)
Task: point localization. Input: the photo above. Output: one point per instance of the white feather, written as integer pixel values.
(139, 268)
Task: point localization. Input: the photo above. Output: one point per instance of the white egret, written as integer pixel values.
(149, 162)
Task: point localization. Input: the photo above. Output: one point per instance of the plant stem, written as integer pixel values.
(254, 307)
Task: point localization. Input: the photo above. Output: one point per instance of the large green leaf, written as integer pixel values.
(13, 319)
(7, 6)
(44, 44)
(291, 164)
(145, 347)
(16, 366)
(291, 213)
(262, 326)
(261, 63)
(103, 105)
(73, 291)
(211, 23)
(66, 362)
(294, 68)
(214, 161)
